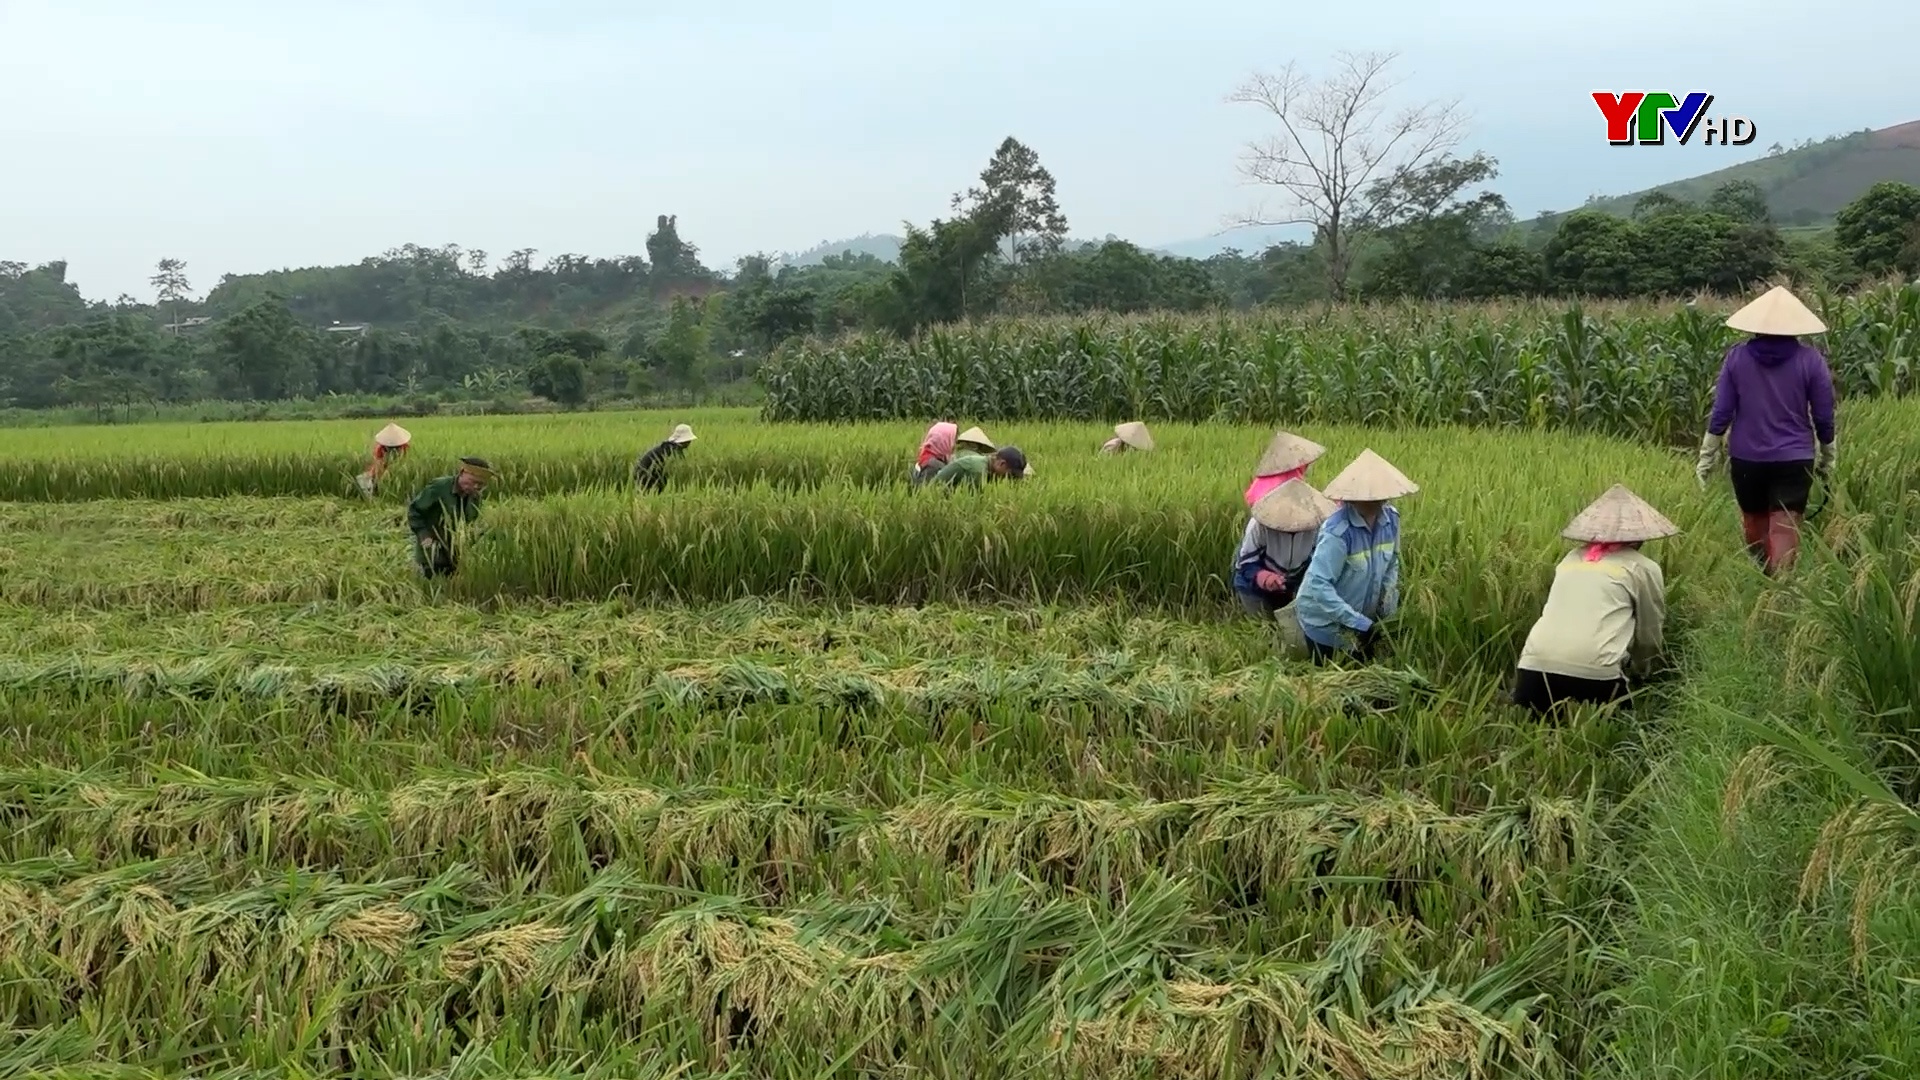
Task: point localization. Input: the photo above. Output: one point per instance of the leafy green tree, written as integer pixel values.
(675, 261)
(171, 287)
(1427, 225)
(1018, 192)
(680, 351)
(559, 377)
(1502, 268)
(1874, 231)
(264, 353)
(1741, 200)
(1595, 254)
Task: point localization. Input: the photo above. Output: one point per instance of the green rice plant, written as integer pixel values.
(1637, 370)
(1463, 753)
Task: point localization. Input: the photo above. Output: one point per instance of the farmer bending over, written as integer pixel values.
(441, 507)
(935, 451)
(1278, 542)
(1287, 456)
(1132, 435)
(1353, 580)
(1605, 609)
(650, 472)
(389, 445)
(976, 460)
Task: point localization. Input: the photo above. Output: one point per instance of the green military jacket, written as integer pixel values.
(429, 512)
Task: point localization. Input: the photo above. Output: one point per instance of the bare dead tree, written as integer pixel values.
(1336, 141)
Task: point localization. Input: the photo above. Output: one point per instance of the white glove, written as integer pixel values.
(1713, 450)
(1823, 459)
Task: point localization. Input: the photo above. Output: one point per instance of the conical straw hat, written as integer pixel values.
(1777, 311)
(1134, 434)
(977, 437)
(683, 434)
(393, 435)
(1293, 507)
(1286, 453)
(1618, 517)
(1369, 479)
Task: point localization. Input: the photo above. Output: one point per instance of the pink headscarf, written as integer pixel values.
(1595, 552)
(1263, 484)
(938, 445)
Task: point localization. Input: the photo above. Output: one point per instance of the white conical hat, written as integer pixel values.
(682, 433)
(1618, 517)
(1287, 452)
(977, 437)
(393, 435)
(1369, 479)
(1134, 434)
(1293, 507)
(1777, 311)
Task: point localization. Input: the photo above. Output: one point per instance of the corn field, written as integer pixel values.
(791, 771)
(1631, 371)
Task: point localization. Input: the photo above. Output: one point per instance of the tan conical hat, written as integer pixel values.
(977, 437)
(1777, 311)
(1370, 479)
(1286, 453)
(682, 434)
(1618, 517)
(393, 435)
(1134, 434)
(1293, 507)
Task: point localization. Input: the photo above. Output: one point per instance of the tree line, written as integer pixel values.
(1395, 212)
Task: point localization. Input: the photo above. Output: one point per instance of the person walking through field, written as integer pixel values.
(1605, 613)
(650, 471)
(976, 460)
(441, 508)
(1132, 435)
(1276, 546)
(1286, 457)
(936, 449)
(1775, 393)
(389, 445)
(1353, 579)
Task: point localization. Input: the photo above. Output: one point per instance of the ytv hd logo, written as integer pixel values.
(1647, 116)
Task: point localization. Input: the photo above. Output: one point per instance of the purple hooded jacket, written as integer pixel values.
(1777, 394)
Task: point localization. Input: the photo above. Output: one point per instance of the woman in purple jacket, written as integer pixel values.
(1777, 395)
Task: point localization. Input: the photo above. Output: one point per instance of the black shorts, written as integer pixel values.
(1540, 691)
(1761, 487)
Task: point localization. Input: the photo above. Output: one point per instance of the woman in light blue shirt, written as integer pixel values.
(1353, 580)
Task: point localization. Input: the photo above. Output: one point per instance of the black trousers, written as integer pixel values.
(1761, 487)
(1542, 692)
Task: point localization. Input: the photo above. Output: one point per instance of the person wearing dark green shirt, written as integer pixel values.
(442, 506)
(975, 469)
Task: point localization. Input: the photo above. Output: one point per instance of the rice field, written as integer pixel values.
(790, 772)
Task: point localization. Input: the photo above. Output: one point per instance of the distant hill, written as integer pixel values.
(886, 247)
(1810, 183)
(1248, 240)
(882, 246)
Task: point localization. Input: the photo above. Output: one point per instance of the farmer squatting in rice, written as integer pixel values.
(1605, 612)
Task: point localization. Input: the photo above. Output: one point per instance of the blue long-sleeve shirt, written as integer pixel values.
(1353, 578)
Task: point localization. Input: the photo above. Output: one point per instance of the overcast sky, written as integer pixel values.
(257, 135)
